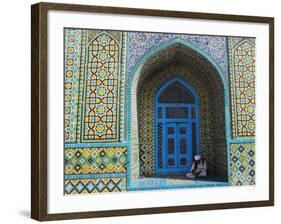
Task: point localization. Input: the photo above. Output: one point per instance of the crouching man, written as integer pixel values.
(198, 168)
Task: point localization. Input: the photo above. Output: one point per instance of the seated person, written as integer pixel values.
(198, 168)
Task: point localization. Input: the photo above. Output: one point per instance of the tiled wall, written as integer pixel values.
(106, 114)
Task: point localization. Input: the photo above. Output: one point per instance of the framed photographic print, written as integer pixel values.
(138, 111)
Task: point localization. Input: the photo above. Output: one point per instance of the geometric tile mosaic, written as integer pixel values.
(242, 75)
(140, 43)
(242, 164)
(95, 160)
(72, 50)
(103, 150)
(93, 73)
(99, 185)
(101, 101)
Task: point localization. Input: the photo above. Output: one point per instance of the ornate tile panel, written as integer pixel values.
(95, 160)
(141, 43)
(95, 185)
(72, 39)
(94, 85)
(101, 102)
(242, 163)
(242, 74)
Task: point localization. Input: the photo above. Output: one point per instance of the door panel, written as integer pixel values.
(177, 153)
(185, 145)
(170, 159)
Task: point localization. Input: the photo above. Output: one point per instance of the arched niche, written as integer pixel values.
(177, 58)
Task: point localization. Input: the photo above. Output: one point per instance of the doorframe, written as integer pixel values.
(197, 118)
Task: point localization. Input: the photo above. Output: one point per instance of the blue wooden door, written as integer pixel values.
(176, 128)
(177, 154)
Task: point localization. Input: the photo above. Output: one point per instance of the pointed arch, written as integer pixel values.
(177, 57)
(176, 79)
(100, 34)
(184, 43)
